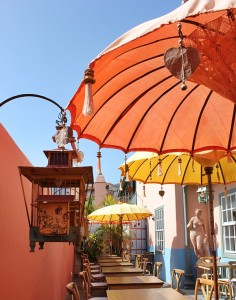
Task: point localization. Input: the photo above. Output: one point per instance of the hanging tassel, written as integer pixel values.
(88, 108)
(229, 158)
(217, 172)
(225, 192)
(150, 174)
(121, 188)
(79, 154)
(127, 174)
(144, 191)
(183, 77)
(179, 166)
(126, 171)
(193, 164)
(159, 168)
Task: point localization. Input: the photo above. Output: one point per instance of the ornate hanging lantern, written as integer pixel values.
(203, 194)
(57, 197)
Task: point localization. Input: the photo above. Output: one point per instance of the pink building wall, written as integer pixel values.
(41, 275)
(177, 243)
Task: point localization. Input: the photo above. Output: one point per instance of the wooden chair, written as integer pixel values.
(143, 265)
(232, 275)
(87, 287)
(176, 277)
(138, 261)
(127, 256)
(228, 284)
(94, 268)
(206, 286)
(208, 259)
(85, 258)
(73, 291)
(157, 269)
(93, 277)
(150, 256)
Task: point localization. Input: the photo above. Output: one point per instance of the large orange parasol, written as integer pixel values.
(140, 100)
(139, 104)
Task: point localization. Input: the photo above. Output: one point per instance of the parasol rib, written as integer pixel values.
(133, 102)
(144, 115)
(92, 64)
(129, 67)
(176, 157)
(140, 167)
(182, 182)
(199, 119)
(232, 126)
(172, 118)
(221, 171)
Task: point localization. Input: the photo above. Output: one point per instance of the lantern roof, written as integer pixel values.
(67, 173)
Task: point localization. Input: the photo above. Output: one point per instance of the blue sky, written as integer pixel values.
(45, 47)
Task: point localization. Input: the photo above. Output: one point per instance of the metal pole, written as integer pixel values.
(209, 171)
(121, 234)
(184, 189)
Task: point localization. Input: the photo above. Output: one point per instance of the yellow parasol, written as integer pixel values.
(177, 168)
(121, 212)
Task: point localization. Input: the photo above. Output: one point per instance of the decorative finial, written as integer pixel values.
(99, 169)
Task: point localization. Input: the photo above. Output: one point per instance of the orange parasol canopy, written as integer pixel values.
(139, 104)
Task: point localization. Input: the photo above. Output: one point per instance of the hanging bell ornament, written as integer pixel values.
(161, 192)
(182, 61)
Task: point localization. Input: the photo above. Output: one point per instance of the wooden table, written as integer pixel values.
(208, 267)
(133, 282)
(115, 264)
(122, 271)
(146, 294)
(109, 257)
(111, 260)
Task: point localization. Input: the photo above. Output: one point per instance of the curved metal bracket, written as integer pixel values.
(61, 116)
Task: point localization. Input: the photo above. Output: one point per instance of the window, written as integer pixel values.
(228, 206)
(159, 229)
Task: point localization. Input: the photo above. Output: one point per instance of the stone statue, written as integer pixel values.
(198, 234)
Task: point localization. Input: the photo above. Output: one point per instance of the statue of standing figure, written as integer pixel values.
(198, 235)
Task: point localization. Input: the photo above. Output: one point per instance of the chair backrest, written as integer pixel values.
(157, 268)
(207, 288)
(143, 264)
(209, 259)
(85, 284)
(176, 277)
(127, 256)
(232, 269)
(138, 261)
(73, 291)
(88, 270)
